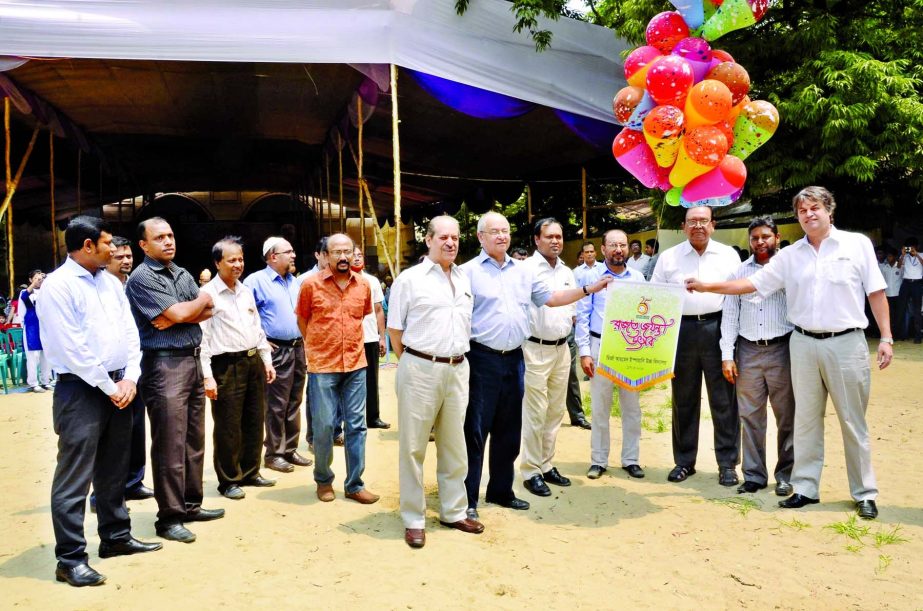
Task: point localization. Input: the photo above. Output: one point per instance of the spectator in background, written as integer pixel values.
(637, 260)
(373, 330)
(652, 250)
(38, 371)
(205, 276)
(911, 293)
(893, 276)
(519, 253)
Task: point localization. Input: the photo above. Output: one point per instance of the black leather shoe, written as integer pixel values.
(680, 473)
(138, 493)
(797, 501)
(634, 471)
(867, 510)
(537, 486)
(378, 423)
(176, 532)
(750, 488)
(298, 460)
(727, 476)
(234, 493)
(79, 575)
(204, 515)
(108, 549)
(554, 477)
(582, 423)
(783, 489)
(277, 463)
(512, 503)
(258, 481)
(595, 471)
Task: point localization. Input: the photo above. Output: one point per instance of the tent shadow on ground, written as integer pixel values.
(304, 495)
(37, 562)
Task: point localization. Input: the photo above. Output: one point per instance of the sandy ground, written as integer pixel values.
(610, 543)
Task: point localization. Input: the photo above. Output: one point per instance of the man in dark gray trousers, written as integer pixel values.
(92, 342)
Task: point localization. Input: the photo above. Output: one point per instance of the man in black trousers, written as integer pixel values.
(92, 342)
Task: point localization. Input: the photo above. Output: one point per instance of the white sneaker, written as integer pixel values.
(47, 386)
(38, 389)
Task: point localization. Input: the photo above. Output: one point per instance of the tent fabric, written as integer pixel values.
(578, 74)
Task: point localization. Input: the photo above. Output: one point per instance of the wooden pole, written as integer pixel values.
(11, 184)
(583, 198)
(79, 175)
(381, 237)
(54, 227)
(361, 179)
(340, 163)
(396, 155)
(529, 202)
(329, 205)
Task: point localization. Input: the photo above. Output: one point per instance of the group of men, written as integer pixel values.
(483, 363)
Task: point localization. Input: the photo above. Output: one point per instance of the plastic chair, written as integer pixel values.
(6, 360)
(17, 350)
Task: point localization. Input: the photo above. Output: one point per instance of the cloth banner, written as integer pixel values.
(640, 333)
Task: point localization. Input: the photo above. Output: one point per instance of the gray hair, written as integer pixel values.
(482, 222)
(431, 227)
(817, 194)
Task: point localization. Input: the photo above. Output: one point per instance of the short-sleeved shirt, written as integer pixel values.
(893, 277)
(545, 322)
(825, 290)
(370, 322)
(151, 289)
(333, 317)
(502, 295)
(716, 264)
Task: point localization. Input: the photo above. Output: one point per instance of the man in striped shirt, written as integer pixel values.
(759, 330)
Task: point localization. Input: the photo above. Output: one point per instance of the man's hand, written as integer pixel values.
(885, 354)
(586, 363)
(599, 284)
(272, 346)
(211, 388)
(125, 391)
(270, 374)
(382, 348)
(694, 284)
(162, 322)
(729, 369)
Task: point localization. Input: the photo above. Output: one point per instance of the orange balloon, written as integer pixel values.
(708, 102)
(734, 76)
(706, 145)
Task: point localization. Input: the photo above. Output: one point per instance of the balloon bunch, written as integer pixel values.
(688, 121)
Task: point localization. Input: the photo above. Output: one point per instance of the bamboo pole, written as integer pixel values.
(11, 184)
(361, 179)
(54, 227)
(583, 198)
(381, 237)
(529, 202)
(329, 205)
(396, 155)
(340, 163)
(79, 175)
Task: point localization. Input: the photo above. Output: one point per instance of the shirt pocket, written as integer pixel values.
(840, 271)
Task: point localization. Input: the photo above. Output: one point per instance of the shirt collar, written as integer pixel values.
(624, 274)
(711, 247)
(157, 266)
(507, 260)
(76, 269)
(220, 285)
(273, 275)
(541, 261)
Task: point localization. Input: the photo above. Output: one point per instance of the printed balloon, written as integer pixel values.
(663, 127)
(666, 29)
(755, 125)
(728, 177)
(692, 11)
(669, 79)
(698, 53)
(701, 149)
(633, 154)
(631, 105)
(733, 15)
(734, 76)
(707, 103)
(637, 64)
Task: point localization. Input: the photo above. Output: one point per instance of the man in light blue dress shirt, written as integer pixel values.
(503, 291)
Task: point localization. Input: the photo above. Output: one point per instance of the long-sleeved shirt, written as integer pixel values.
(716, 264)
(590, 309)
(88, 329)
(276, 297)
(234, 326)
(752, 318)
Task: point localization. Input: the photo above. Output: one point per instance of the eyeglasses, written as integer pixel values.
(623, 246)
(698, 223)
(496, 232)
(290, 251)
(336, 254)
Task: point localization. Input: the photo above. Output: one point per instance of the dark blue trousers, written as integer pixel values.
(494, 410)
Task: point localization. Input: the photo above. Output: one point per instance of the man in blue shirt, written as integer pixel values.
(275, 290)
(502, 293)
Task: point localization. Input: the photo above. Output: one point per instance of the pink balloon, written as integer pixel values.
(633, 154)
(669, 79)
(728, 177)
(697, 52)
(666, 29)
(637, 64)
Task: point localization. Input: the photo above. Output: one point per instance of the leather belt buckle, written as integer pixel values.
(251, 352)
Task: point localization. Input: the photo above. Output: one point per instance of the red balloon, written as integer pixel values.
(706, 145)
(664, 122)
(637, 62)
(721, 55)
(669, 79)
(727, 128)
(666, 29)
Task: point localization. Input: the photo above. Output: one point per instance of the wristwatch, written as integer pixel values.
(887, 340)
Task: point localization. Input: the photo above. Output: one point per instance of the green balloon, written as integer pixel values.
(731, 15)
(673, 195)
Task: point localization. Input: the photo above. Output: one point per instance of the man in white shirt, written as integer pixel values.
(637, 261)
(373, 331)
(911, 293)
(92, 342)
(588, 251)
(826, 276)
(893, 276)
(698, 352)
(547, 359)
(236, 365)
(652, 250)
(590, 315)
(429, 320)
(755, 358)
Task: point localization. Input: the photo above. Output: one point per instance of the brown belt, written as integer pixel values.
(451, 360)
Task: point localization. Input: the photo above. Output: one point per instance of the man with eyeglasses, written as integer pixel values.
(698, 351)
(330, 309)
(275, 291)
(503, 291)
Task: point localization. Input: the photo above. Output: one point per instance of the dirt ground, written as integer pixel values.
(610, 543)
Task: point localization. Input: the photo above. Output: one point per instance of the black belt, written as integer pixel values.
(912, 280)
(709, 316)
(825, 334)
(548, 342)
(288, 343)
(596, 335)
(482, 347)
(768, 342)
(235, 355)
(115, 376)
(451, 360)
(170, 352)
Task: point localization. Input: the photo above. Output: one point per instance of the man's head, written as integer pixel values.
(615, 249)
(890, 255)
(442, 240)
(279, 255)
(519, 253)
(89, 241)
(205, 276)
(880, 253)
(635, 248)
(339, 253)
(156, 239)
(228, 255)
(494, 234)
(548, 234)
(911, 244)
(320, 253)
(358, 262)
(122, 257)
(764, 238)
(814, 208)
(698, 226)
(651, 247)
(588, 250)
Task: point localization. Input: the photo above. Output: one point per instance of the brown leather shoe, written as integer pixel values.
(415, 537)
(277, 463)
(325, 492)
(466, 526)
(363, 496)
(298, 460)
